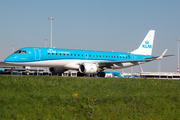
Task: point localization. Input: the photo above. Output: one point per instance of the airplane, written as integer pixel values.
(84, 61)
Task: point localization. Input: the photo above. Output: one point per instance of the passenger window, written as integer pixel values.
(60, 54)
(52, 53)
(117, 56)
(93, 56)
(71, 54)
(112, 56)
(74, 54)
(56, 53)
(89, 55)
(100, 56)
(97, 55)
(48, 53)
(67, 54)
(82, 55)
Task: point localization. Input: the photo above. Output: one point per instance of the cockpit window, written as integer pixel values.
(18, 51)
(21, 51)
(24, 52)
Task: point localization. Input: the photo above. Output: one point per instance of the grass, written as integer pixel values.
(56, 98)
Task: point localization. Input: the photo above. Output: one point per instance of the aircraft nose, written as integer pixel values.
(10, 58)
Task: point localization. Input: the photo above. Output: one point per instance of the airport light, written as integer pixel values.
(13, 47)
(45, 42)
(178, 54)
(51, 18)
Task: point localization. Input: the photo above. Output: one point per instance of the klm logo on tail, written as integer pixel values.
(146, 45)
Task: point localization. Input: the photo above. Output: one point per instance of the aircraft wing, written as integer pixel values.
(161, 56)
(126, 61)
(119, 63)
(155, 57)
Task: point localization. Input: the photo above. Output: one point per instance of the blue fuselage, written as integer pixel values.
(67, 58)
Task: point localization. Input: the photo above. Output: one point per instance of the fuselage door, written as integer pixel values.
(37, 54)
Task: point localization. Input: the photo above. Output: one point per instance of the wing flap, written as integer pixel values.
(119, 63)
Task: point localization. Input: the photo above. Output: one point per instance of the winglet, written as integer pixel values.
(160, 57)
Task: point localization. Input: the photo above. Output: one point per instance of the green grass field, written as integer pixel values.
(56, 98)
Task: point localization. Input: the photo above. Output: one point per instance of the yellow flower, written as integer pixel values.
(75, 95)
(138, 93)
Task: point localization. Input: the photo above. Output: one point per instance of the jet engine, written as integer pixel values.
(55, 70)
(88, 68)
(101, 74)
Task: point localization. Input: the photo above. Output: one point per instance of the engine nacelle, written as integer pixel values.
(88, 68)
(101, 74)
(55, 70)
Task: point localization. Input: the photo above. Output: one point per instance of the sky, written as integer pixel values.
(105, 25)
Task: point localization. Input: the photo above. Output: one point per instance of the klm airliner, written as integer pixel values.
(85, 61)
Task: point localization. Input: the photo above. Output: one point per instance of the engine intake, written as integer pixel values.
(88, 68)
(55, 70)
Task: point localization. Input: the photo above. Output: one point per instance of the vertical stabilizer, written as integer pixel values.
(147, 45)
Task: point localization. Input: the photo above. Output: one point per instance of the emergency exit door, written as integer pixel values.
(37, 54)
